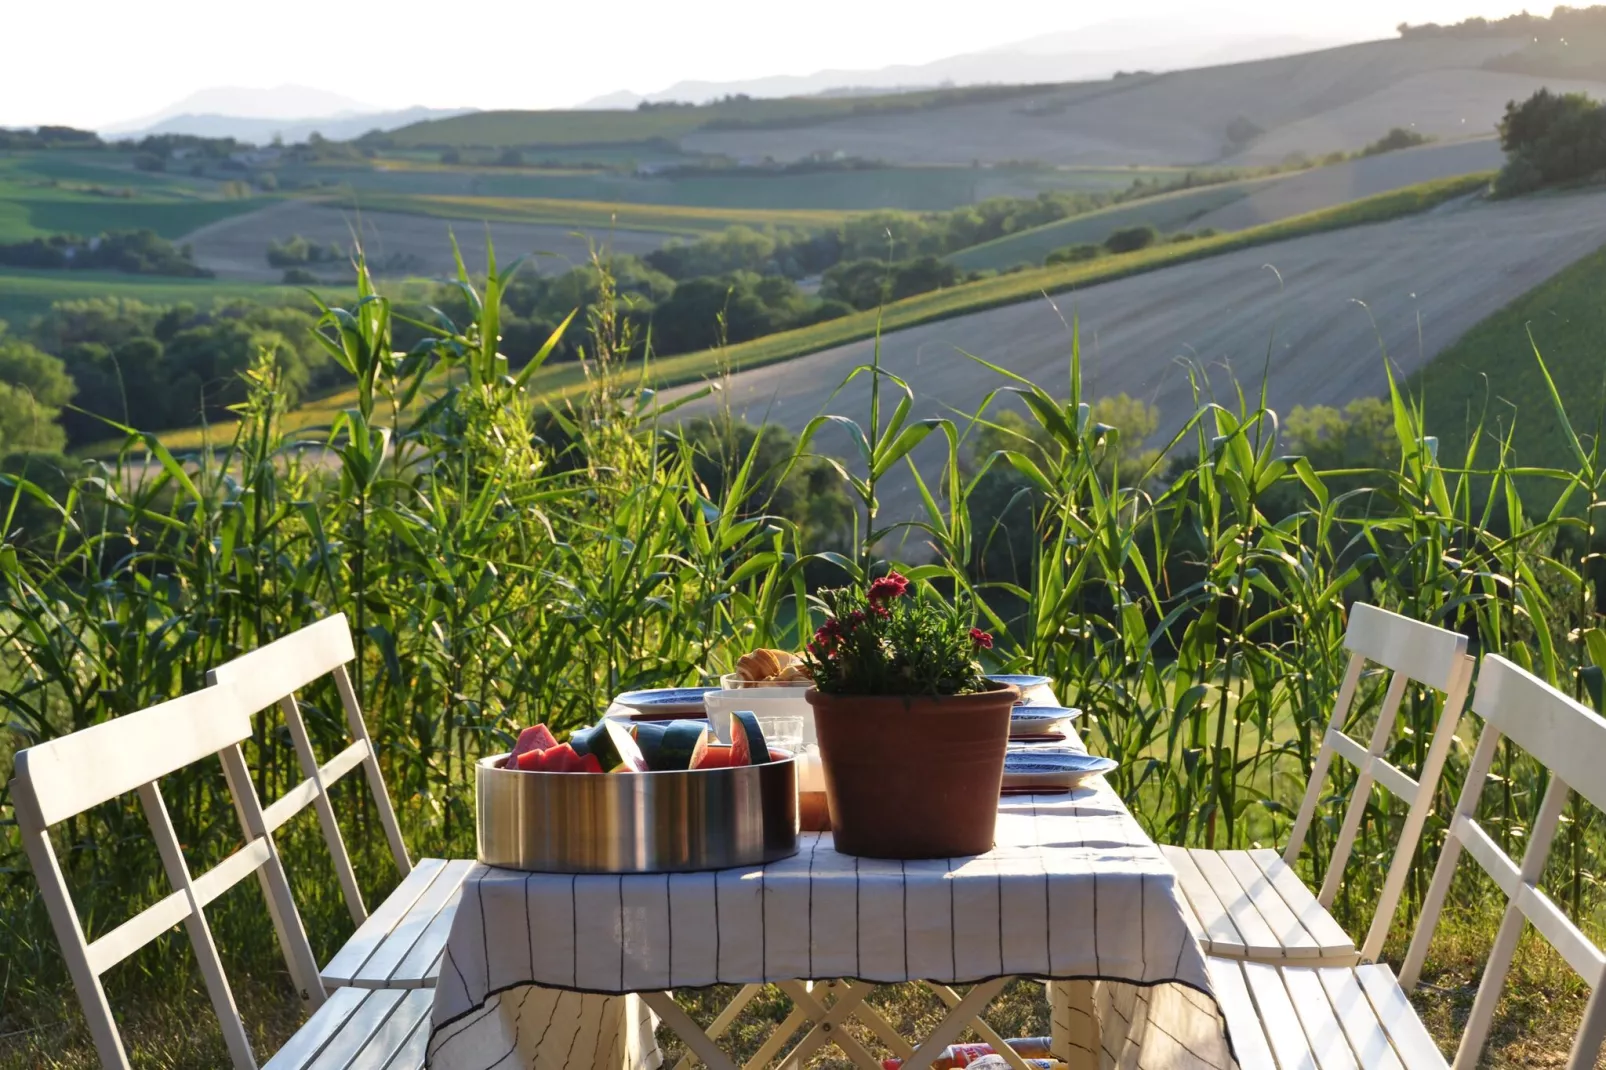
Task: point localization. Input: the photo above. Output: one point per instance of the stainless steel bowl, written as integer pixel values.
(636, 822)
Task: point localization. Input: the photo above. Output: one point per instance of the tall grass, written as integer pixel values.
(505, 561)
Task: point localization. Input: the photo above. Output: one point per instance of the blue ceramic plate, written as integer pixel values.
(657, 703)
(1027, 722)
(1021, 680)
(1051, 768)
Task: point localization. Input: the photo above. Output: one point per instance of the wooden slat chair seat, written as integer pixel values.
(1252, 904)
(1321, 1018)
(399, 944)
(355, 1030)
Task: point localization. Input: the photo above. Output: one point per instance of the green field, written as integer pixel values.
(573, 128)
(672, 219)
(917, 189)
(1166, 213)
(43, 193)
(26, 294)
(1492, 372)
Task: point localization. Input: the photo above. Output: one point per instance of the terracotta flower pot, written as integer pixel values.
(913, 776)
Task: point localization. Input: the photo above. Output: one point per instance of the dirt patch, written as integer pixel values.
(407, 244)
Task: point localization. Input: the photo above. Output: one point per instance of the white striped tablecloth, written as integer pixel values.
(1073, 890)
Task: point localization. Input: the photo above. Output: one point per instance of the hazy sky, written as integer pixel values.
(95, 62)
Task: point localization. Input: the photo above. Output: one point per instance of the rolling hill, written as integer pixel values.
(1312, 103)
(1315, 314)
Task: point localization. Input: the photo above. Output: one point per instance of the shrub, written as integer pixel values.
(1397, 138)
(1551, 138)
(1073, 254)
(298, 277)
(1131, 239)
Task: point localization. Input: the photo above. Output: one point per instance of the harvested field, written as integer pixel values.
(1445, 104)
(1174, 118)
(1424, 281)
(414, 244)
(1324, 187)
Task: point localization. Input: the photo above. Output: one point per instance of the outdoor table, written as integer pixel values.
(569, 971)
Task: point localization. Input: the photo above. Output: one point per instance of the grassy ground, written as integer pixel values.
(1493, 366)
(44, 193)
(1167, 213)
(676, 219)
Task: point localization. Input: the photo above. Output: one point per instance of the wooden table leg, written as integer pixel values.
(1073, 1024)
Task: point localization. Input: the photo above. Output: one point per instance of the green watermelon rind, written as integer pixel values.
(746, 722)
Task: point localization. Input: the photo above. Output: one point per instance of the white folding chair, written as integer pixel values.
(399, 945)
(64, 777)
(1251, 904)
(1297, 1016)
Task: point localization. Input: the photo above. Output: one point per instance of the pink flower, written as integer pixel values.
(981, 639)
(888, 587)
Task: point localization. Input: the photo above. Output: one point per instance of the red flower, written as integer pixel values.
(888, 587)
(982, 640)
(854, 619)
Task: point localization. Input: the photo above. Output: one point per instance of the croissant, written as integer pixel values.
(760, 664)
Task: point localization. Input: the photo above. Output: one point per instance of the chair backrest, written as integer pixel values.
(64, 777)
(1569, 740)
(1411, 651)
(271, 675)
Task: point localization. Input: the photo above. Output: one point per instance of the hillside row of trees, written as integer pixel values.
(134, 252)
(1562, 22)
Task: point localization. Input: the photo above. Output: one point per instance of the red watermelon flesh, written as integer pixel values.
(561, 759)
(712, 756)
(531, 761)
(589, 764)
(537, 738)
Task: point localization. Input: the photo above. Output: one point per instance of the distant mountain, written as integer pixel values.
(1094, 52)
(260, 131)
(280, 102)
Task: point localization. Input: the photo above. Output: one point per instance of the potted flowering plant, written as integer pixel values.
(912, 735)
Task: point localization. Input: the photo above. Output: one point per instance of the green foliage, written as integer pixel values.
(296, 251)
(1131, 239)
(1397, 138)
(894, 638)
(171, 366)
(867, 284)
(33, 387)
(135, 252)
(1551, 139)
(1075, 254)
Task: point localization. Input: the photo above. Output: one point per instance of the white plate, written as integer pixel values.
(1051, 767)
(1027, 722)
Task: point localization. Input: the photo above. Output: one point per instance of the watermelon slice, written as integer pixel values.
(531, 761)
(649, 736)
(710, 755)
(537, 738)
(614, 748)
(747, 740)
(589, 764)
(580, 738)
(679, 745)
(561, 759)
